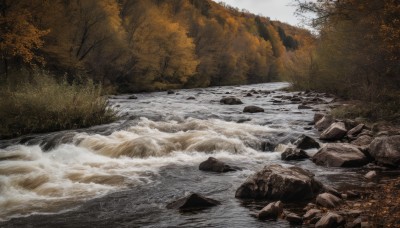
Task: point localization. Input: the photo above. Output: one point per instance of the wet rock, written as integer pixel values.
(386, 150)
(335, 131)
(249, 95)
(56, 140)
(318, 117)
(333, 191)
(253, 109)
(340, 155)
(271, 212)
(307, 128)
(366, 132)
(293, 154)
(370, 175)
(324, 122)
(330, 220)
(267, 146)
(132, 97)
(305, 142)
(193, 202)
(328, 200)
(296, 99)
(304, 107)
(276, 101)
(363, 140)
(170, 92)
(215, 165)
(231, 101)
(191, 98)
(310, 214)
(355, 224)
(356, 130)
(294, 219)
(276, 182)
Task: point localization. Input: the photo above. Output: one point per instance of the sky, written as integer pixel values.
(280, 10)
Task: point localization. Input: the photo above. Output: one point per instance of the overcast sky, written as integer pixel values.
(275, 9)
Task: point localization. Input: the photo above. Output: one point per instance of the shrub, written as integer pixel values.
(43, 105)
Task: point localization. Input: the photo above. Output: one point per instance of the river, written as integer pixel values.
(123, 174)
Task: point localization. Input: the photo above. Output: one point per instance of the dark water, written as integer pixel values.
(124, 174)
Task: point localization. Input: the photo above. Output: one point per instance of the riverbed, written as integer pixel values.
(125, 173)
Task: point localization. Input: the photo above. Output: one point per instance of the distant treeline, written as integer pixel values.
(143, 45)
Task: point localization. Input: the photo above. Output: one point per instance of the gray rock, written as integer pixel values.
(304, 107)
(170, 92)
(311, 214)
(318, 117)
(191, 98)
(271, 212)
(340, 155)
(293, 219)
(305, 142)
(363, 140)
(253, 109)
(193, 202)
(324, 122)
(231, 101)
(335, 131)
(331, 220)
(293, 154)
(214, 165)
(132, 97)
(276, 182)
(386, 150)
(356, 130)
(328, 200)
(370, 175)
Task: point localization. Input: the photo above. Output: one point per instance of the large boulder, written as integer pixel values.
(328, 200)
(324, 122)
(386, 150)
(231, 101)
(271, 212)
(340, 155)
(253, 109)
(193, 202)
(334, 132)
(293, 154)
(276, 182)
(305, 142)
(215, 165)
(331, 220)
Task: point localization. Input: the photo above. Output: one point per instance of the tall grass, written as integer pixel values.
(43, 105)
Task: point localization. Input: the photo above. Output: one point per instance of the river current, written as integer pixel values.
(123, 174)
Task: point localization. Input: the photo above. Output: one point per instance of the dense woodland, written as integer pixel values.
(356, 55)
(142, 45)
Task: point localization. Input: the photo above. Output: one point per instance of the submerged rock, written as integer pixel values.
(386, 150)
(293, 154)
(304, 107)
(215, 165)
(231, 101)
(191, 98)
(334, 132)
(253, 109)
(271, 212)
(133, 97)
(276, 182)
(340, 155)
(193, 202)
(305, 142)
(56, 140)
(170, 92)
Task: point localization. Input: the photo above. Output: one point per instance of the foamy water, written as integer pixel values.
(157, 145)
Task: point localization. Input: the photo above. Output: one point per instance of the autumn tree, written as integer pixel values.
(19, 37)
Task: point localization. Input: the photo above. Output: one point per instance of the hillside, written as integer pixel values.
(147, 45)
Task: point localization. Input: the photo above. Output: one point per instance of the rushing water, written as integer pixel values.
(124, 174)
